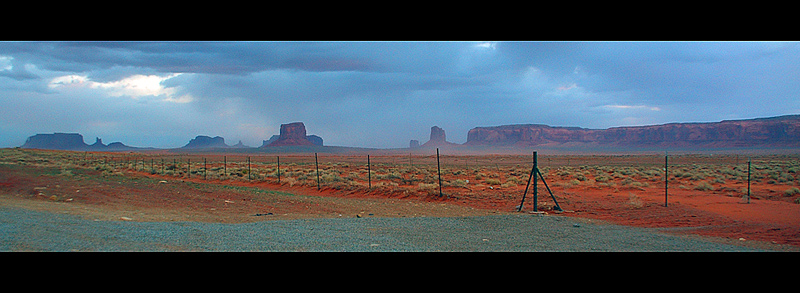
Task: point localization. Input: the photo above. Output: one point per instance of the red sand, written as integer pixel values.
(769, 216)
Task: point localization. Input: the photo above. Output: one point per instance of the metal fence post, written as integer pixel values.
(535, 185)
(316, 162)
(748, 180)
(438, 166)
(666, 180)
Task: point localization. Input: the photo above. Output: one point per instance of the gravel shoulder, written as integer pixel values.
(42, 231)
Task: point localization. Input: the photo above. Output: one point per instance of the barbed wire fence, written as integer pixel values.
(446, 170)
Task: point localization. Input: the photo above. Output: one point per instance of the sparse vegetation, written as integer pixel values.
(507, 175)
(792, 191)
(704, 186)
(634, 201)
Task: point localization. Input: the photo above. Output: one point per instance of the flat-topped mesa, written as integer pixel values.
(56, 141)
(292, 134)
(783, 131)
(202, 141)
(72, 142)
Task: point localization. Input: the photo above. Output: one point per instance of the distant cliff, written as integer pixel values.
(202, 142)
(782, 131)
(70, 142)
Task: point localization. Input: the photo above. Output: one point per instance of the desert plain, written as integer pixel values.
(750, 199)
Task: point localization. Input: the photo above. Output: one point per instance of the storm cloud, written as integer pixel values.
(380, 94)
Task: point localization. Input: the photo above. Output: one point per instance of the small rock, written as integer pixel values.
(576, 225)
(125, 219)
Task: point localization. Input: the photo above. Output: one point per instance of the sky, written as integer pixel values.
(380, 94)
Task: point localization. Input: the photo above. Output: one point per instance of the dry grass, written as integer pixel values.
(634, 201)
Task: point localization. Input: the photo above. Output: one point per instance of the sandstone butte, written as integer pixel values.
(71, 141)
(292, 134)
(779, 132)
(202, 141)
(437, 139)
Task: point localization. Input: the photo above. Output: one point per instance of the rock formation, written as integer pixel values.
(413, 144)
(316, 140)
(71, 142)
(240, 145)
(56, 141)
(783, 131)
(202, 141)
(438, 138)
(293, 134)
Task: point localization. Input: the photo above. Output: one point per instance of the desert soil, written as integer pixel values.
(764, 222)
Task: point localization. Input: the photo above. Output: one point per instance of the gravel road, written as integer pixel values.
(27, 230)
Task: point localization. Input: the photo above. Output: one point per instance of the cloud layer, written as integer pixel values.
(380, 94)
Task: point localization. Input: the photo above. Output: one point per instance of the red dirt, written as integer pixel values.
(713, 213)
(771, 216)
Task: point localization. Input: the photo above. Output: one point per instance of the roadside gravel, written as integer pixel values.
(27, 230)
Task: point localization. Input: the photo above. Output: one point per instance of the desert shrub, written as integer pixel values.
(634, 201)
(704, 186)
(331, 177)
(601, 178)
(563, 172)
(792, 191)
(354, 176)
(103, 168)
(426, 186)
(394, 175)
(457, 183)
(509, 184)
(492, 181)
(627, 181)
(517, 180)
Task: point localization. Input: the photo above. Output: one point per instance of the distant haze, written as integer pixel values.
(380, 94)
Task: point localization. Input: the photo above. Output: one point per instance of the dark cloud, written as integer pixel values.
(382, 94)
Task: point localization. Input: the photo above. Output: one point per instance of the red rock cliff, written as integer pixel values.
(783, 131)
